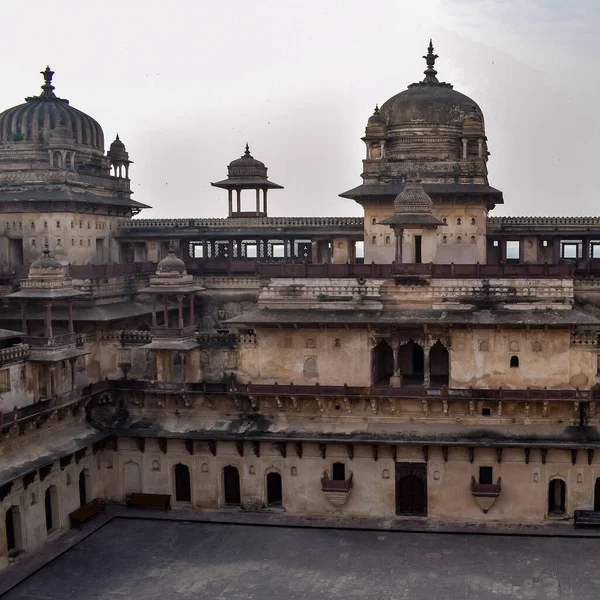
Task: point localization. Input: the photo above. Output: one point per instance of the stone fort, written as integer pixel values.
(426, 361)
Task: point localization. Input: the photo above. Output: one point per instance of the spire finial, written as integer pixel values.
(247, 153)
(118, 139)
(48, 88)
(430, 72)
(376, 111)
(171, 249)
(46, 248)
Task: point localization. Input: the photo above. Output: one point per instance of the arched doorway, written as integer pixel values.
(597, 494)
(183, 488)
(274, 492)
(411, 360)
(383, 363)
(439, 365)
(83, 487)
(411, 490)
(12, 528)
(51, 508)
(557, 493)
(231, 486)
(133, 478)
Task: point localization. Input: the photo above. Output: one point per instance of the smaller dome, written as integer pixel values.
(413, 199)
(117, 151)
(376, 119)
(171, 264)
(246, 166)
(46, 262)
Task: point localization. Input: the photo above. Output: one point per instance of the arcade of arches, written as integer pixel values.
(410, 363)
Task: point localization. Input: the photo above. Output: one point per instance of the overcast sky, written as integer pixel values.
(186, 84)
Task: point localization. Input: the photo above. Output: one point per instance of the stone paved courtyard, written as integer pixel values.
(134, 559)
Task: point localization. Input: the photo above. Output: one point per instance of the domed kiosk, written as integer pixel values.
(437, 134)
(52, 161)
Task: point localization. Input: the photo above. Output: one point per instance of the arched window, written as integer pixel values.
(483, 347)
(274, 491)
(338, 471)
(373, 221)
(310, 367)
(557, 493)
(374, 240)
(444, 239)
(514, 362)
(458, 239)
(310, 343)
(388, 239)
(473, 239)
(472, 220)
(445, 220)
(183, 488)
(459, 221)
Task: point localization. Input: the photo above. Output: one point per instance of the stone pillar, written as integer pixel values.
(480, 147)
(464, 149)
(153, 311)
(180, 311)
(426, 366)
(70, 310)
(192, 317)
(396, 379)
(230, 200)
(23, 318)
(165, 312)
(399, 238)
(265, 200)
(48, 318)
(239, 200)
(257, 202)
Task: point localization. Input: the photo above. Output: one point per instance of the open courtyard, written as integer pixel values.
(144, 559)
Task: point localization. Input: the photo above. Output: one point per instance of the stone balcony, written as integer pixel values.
(336, 491)
(485, 494)
(51, 343)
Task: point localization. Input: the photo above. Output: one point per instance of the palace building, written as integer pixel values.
(426, 361)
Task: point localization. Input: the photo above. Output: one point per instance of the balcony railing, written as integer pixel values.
(335, 485)
(173, 332)
(52, 343)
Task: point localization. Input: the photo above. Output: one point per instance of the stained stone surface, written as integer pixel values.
(165, 560)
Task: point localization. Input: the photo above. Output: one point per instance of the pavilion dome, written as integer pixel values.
(246, 166)
(36, 119)
(171, 264)
(46, 262)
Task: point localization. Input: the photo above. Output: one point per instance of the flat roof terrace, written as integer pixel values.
(141, 559)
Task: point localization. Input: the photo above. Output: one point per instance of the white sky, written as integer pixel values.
(186, 84)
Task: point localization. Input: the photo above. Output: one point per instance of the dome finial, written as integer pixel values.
(376, 111)
(118, 138)
(48, 88)
(247, 153)
(430, 72)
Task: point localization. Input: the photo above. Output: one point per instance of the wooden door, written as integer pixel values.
(411, 489)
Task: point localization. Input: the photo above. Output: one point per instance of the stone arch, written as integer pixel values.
(182, 481)
(557, 497)
(231, 486)
(439, 365)
(274, 488)
(132, 477)
(13, 530)
(411, 360)
(51, 508)
(383, 363)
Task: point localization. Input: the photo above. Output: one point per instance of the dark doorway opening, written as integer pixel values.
(383, 363)
(439, 365)
(411, 359)
(9, 527)
(411, 490)
(82, 489)
(231, 483)
(597, 494)
(48, 509)
(418, 249)
(183, 488)
(274, 492)
(557, 492)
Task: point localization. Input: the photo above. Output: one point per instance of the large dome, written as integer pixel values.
(35, 120)
(428, 103)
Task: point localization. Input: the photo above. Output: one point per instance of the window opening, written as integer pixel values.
(338, 471)
(486, 475)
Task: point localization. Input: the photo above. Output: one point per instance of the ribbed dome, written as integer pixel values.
(171, 264)
(118, 151)
(246, 166)
(35, 120)
(413, 198)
